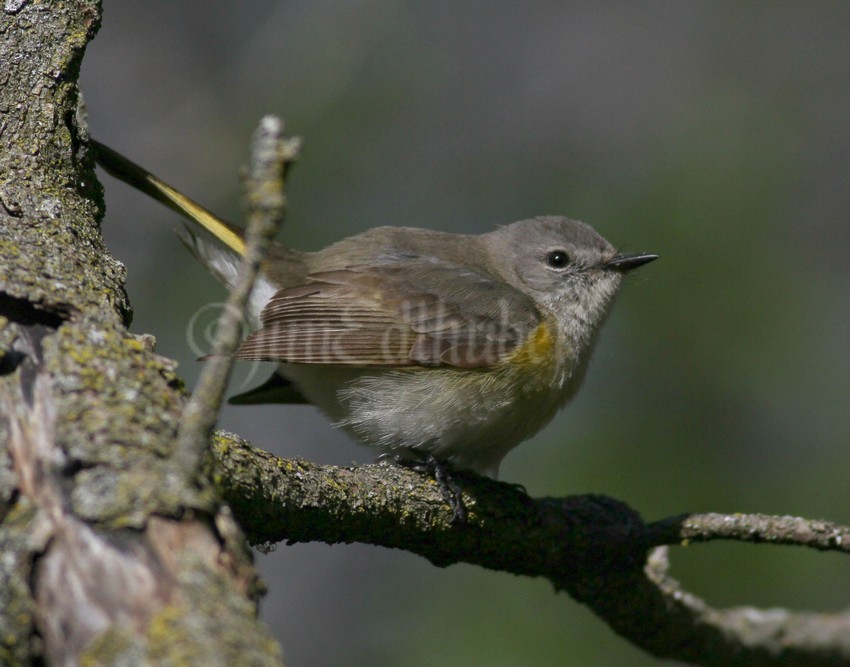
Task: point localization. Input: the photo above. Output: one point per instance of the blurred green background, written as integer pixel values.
(715, 134)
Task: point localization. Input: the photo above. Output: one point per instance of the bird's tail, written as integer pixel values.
(132, 174)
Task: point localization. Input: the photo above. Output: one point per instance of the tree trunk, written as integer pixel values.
(110, 552)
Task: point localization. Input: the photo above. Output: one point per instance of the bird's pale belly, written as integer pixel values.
(469, 417)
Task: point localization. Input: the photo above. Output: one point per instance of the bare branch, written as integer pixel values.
(756, 528)
(594, 547)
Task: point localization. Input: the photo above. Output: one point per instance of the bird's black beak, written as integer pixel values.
(631, 261)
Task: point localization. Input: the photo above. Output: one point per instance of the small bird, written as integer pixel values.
(452, 347)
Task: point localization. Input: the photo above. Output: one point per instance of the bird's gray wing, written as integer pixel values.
(410, 312)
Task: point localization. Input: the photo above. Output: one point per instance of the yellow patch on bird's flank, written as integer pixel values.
(538, 350)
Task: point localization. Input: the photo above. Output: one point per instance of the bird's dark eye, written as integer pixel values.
(557, 259)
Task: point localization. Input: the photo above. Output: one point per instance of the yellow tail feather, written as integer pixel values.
(141, 179)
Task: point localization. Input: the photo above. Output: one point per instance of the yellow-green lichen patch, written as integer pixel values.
(120, 392)
(124, 498)
(17, 542)
(36, 262)
(205, 631)
(120, 409)
(116, 646)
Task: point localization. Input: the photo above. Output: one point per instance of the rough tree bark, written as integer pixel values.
(111, 553)
(115, 547)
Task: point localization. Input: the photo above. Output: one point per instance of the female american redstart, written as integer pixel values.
(455, 346)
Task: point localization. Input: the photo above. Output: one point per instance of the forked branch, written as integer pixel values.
(596, 548)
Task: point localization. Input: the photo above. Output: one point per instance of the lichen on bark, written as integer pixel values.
(110, 551)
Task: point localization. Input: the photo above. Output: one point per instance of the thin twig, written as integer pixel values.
(756, 528)
(265, 202)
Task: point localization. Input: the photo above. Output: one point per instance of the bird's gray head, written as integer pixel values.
(568, 270)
